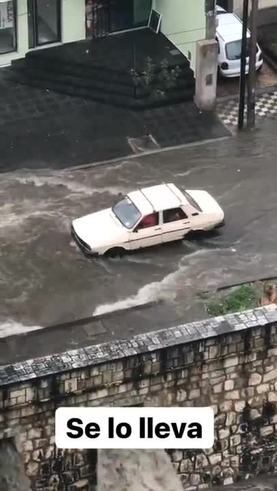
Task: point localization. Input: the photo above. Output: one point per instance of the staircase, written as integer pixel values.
(101, 79)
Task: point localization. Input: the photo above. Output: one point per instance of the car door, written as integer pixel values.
(175, 224)
(147, 233)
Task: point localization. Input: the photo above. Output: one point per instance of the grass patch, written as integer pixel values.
(242, 298)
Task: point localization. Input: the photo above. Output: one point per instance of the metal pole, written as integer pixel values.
(252, 67)
(243, 64)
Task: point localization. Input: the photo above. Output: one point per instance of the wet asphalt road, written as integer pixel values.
(44, 279)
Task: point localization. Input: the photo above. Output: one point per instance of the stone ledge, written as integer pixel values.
(142, 343)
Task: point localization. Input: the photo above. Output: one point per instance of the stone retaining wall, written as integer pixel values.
(228, 362)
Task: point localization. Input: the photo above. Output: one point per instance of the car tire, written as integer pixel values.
(115, 252)
(193, 234)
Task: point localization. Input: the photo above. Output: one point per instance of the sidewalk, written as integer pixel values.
(266, 106)
(44, 129)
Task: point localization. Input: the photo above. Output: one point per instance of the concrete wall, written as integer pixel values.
(73, 27)
(184, 23)
(228, 362)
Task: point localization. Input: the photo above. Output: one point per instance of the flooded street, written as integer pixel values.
(45, 279)
(136, 470)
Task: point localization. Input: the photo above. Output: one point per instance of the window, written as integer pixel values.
(173, 215)
(7, 26)
(149, 221)
(127, 213)
(233, 49)
(44, 19)
(218, 47)
(191, 201)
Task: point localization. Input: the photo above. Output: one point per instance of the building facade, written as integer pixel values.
(267, 9)
(263, 4)
(34, 24)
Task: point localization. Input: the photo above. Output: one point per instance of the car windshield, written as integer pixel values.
(127, 213)
(233, 49)
(191, 201)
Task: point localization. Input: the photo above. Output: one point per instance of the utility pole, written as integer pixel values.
(252, 66)
(243, 64)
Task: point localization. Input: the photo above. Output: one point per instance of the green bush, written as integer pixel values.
(243, 298)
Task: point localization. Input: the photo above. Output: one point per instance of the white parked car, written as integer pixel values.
(229, 39)
(147, 217)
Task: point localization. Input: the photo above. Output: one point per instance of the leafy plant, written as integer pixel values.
(168, 76)
(149, 73)
(242, 298)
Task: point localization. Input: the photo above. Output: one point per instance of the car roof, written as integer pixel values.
(229, 27)
(156, 198)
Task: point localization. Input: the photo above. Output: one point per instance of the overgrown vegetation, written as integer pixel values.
(242, 298)
(156, 79)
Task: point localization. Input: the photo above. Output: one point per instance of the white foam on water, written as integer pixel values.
(136, 470)
(152, 292)
(164, 290)
(70, 184)
(15, 215)
(13, 328)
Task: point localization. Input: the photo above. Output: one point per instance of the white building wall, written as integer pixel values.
(72, 27)
(22, 35)
(73, 20)
(184, 23)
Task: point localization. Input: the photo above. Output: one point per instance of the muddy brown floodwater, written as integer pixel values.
(12, 474)
(136, 470)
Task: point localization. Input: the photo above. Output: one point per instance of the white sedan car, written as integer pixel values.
(147, 217)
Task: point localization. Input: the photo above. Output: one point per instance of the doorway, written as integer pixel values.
(226, 4)
(44, 22)
(104, 17)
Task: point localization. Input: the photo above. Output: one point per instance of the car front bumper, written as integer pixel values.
(82, 244)
(221, 224)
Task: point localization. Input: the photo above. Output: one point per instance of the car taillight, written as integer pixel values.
(224, 66)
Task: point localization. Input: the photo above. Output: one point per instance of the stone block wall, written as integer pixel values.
(228, 362)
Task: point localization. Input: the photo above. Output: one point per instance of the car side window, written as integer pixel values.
(173, 215)
(149, 221)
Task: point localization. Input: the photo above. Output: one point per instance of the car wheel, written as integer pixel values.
(193, 234)
(115, 252)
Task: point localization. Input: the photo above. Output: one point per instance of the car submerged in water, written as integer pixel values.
(147, 217)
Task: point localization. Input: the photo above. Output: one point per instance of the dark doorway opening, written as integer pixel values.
(44, 22)
(226, 4)
(104, 17)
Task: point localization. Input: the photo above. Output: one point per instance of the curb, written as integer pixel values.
(85, 320)
(240, 283)
(149, 152)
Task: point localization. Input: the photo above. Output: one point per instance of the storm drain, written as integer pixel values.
(143, 144)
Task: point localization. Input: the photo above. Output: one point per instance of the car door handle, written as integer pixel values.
(159, 228)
